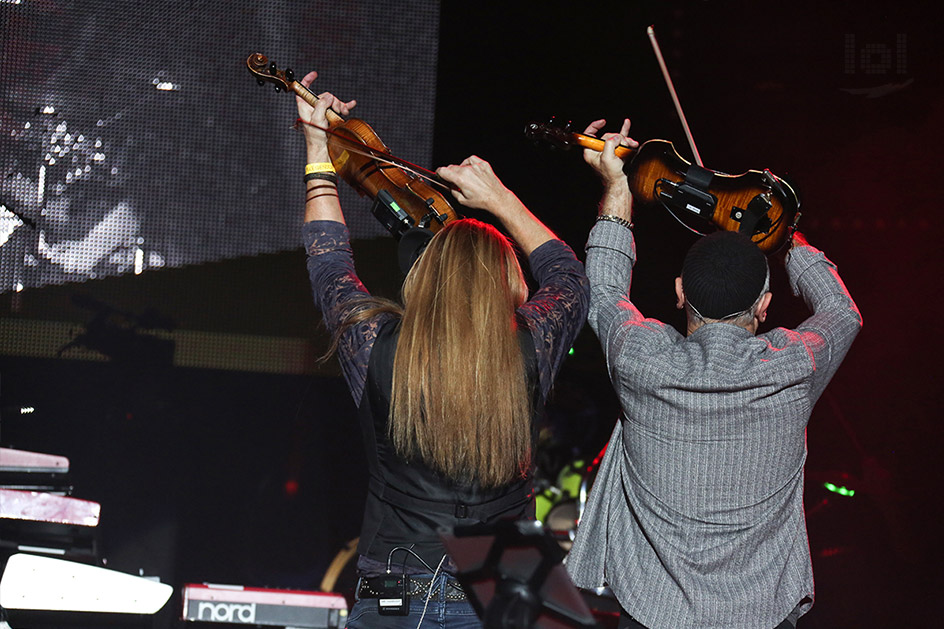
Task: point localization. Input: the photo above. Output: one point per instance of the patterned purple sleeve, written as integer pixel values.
(334, 283)
(557, 311)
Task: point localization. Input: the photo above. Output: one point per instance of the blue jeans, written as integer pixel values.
(440, 613)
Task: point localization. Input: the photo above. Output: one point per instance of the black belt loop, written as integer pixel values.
(462, 511)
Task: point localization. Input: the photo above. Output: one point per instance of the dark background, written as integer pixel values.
(191, 465)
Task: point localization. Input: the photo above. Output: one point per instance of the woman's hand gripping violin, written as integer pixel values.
(757, 204)
(403, 198)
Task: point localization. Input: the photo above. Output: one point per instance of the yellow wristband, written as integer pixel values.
(320, 167)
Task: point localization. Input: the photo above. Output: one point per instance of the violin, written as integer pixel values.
(403, 198)
(758, 204)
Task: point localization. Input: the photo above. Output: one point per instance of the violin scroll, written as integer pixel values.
(266, 72)
(556, 137)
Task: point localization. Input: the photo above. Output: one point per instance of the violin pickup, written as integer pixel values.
(682, 196)
(390, 214)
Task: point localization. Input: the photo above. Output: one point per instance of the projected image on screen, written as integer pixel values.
(133, 138)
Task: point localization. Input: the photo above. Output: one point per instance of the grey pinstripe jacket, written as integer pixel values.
(696, 515)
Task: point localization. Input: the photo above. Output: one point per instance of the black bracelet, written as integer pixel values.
(615, 219)
(312, 197)
(332, 177)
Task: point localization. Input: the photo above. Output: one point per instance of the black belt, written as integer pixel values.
(417, 587)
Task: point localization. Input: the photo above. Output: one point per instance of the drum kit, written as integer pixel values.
(560, 503)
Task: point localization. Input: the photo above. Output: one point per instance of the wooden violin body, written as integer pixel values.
(755, 203)
(361, 158)
(426, 206)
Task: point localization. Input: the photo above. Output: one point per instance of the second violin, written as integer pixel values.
(755, 203)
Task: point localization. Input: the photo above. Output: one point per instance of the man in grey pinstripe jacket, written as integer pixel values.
(696, 515)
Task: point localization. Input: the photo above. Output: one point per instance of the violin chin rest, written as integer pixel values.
(412, 243)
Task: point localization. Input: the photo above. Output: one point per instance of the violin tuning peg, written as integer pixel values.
(273, 68)
(289, 74)
(278, 89)
(260, 82)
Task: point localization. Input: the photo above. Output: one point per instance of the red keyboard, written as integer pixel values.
(239, 605)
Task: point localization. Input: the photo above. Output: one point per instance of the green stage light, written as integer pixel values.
(842, 491)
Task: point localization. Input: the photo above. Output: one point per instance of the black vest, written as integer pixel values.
(407, 502)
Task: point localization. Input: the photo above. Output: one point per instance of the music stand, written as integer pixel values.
(513, 576)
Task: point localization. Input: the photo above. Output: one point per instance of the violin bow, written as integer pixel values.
(678, 106)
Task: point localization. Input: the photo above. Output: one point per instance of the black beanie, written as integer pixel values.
(723, 274)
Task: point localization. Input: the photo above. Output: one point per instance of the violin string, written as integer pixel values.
(386, 158)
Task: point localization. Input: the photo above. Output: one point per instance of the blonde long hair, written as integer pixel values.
(460, 400)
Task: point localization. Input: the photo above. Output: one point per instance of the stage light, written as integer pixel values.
(164, 86)
(837, 489)
(41, 185)
(138, 260)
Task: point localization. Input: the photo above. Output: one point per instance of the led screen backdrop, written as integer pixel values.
(134, 138)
